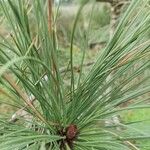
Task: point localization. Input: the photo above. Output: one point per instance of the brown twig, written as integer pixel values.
(106, 1)
(50, 15)
(76, 68)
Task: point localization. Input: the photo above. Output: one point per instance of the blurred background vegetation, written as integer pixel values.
(98, 23)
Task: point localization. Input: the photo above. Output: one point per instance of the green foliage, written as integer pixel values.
(76, 120)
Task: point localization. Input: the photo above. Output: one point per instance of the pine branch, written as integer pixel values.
(21, 112)
(25, 98)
